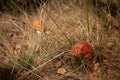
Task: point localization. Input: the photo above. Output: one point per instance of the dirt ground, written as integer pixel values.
(44, 53)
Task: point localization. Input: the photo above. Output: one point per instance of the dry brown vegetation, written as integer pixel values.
(44, 54)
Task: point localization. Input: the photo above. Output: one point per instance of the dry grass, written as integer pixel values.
(35, 54)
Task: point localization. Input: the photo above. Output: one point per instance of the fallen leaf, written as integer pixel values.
(105, 61)
(96, 66)
(25, 38)
(48, 32)
(94, 77)
(6, 60)
(61, 71)
(57, 64)
(116, 23)
(17, 46)
(22, 73)
(11, 47)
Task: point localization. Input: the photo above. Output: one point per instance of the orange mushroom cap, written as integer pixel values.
(82, 47)
(37, 24)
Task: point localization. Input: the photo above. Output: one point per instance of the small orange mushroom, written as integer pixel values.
(37, 24)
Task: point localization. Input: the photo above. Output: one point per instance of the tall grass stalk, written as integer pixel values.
(87, 16)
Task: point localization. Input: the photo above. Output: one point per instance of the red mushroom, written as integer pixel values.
(82, 49)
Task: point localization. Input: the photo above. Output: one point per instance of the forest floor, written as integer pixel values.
(37, 44)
